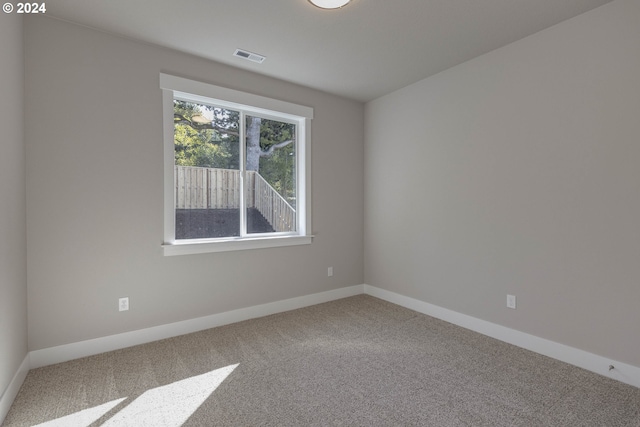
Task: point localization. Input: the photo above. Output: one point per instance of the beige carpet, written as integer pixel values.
(356, 361)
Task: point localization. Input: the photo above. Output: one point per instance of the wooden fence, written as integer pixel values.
(206, 188)
(210, 188)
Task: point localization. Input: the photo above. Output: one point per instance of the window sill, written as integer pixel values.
(191, 247)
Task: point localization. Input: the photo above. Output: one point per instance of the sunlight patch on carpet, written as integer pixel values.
(170, 405)
(83, 418)
(167, 406)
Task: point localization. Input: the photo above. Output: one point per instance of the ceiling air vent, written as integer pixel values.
(249, 56)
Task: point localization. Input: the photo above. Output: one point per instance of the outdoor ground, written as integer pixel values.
(208, 223)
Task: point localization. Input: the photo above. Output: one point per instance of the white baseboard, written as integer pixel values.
(623, 372)
(63, 353)
(7, 398)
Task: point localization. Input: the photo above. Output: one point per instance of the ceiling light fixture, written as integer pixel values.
(329, 4)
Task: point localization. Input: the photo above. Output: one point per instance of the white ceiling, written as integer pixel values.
(365, 50)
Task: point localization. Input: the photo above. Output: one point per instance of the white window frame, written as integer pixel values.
(178, 87)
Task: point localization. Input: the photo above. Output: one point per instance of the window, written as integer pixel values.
(236, 169)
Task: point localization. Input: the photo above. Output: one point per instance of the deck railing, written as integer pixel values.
(212, 188)
(276, 210)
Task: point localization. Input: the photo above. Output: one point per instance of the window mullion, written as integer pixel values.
(243, 190)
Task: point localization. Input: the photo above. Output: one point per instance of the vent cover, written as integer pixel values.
(250, 56)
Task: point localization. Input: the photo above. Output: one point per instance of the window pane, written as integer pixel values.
(270, 175)
(207, 173)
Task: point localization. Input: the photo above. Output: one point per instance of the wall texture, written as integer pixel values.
(13, 252)
(95, 196)
(518, 172)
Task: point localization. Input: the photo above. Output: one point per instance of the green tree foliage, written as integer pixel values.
(207, 136)
(205, 145)
(278, 168)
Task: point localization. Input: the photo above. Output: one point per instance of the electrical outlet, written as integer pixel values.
(511, 301)
(330, 271)
(123, 304)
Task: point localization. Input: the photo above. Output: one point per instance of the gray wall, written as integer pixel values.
(518, 172)
(13, 255)
(95, 196)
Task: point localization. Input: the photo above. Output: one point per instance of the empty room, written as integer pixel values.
(320, 212)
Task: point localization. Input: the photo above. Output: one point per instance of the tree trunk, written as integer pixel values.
(253, 143)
